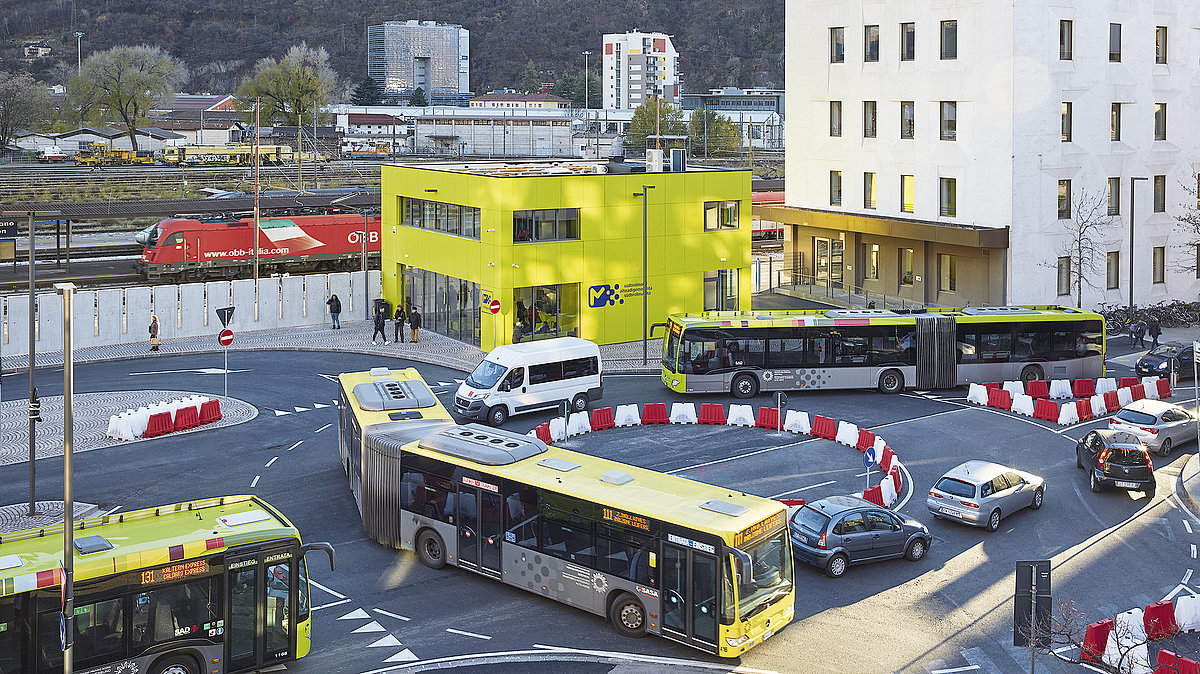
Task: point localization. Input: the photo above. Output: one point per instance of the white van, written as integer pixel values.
(518, 378)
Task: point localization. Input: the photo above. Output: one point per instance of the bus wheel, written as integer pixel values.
(891, 381)
(1031, 373)
(431, 549)
(744, 386)
(628, 616)
(178, 664)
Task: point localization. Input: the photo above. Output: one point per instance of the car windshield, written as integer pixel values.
(955, 487)
(1135, 417)
(810, 518)
(486, 375)
(1164, 350)
(1127, 457)
(772, 575)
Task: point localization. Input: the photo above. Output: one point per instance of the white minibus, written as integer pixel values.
(518, 378)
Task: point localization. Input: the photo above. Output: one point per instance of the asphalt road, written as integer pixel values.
(952, 610)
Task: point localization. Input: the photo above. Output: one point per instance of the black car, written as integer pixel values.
(834, 533)
(1116, 459)
(1158, 361)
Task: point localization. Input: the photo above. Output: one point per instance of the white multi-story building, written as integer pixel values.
(434, 57)
(947, 115)
(638, 65)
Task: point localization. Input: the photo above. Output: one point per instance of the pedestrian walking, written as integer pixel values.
(335, 309)
(398, 320)
(1137, 334)
(414, 324)
(154, 340)
(1155, 330)
(380, 325)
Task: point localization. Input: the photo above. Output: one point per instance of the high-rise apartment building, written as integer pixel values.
(435, 57)
(638, 65)
(940, 118)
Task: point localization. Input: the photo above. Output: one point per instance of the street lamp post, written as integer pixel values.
(67, 291)
(1132, 205)
(645, 285)
(586, 122)
(79, 52)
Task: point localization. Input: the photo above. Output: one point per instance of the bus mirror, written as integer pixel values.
(319, 546)
(744, 566)
(655, 326)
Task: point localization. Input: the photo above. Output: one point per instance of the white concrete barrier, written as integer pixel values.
(1099, 409)
(797, 422)
(1151, 386)
(977, 394)
(558, 429)
(1187, 613)
(683, 413)
(1124, 396)
(1105, 384)
(578, 423)
(1060, 389)
(627, 415)
(847, 434)
(1022, 404)
(740, 415)
(1014, 388)
(1067, 414)
(887, 491)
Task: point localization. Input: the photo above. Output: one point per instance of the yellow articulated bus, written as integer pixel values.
(656, 554)
(215, 586)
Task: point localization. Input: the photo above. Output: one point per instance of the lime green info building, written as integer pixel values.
(500, 252)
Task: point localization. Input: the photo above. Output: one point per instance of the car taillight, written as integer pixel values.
(821, 541)
(1100, 463)
(1151, 431)
(970, 505)
(935, 494)
(1149, 463)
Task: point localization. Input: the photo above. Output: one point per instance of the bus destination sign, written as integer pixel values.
(167, 574)
(627, 519)
(753, 533)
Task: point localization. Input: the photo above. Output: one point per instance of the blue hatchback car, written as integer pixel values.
(836, 532)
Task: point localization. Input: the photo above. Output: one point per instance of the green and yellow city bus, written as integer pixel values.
(656, 554)
(214, 586)
(747, 352)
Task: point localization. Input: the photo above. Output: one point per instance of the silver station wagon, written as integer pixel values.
(980, 493)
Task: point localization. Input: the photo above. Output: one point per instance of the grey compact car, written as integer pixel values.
(834, 533)
(1160, 425)
(980, 493)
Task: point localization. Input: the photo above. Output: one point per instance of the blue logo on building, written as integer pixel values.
(605, 295)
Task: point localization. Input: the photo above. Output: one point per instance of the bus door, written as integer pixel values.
(690, 596)
(479, 532)
(260, 588)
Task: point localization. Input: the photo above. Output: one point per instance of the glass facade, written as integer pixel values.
(545, 312)
(449, 306)
(405, 55)
(439, 217)
(547, 224)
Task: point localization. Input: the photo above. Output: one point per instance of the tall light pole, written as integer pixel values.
(1132, 204)
(587, 127)
(79, 51)
(67, 290)
(645, 285)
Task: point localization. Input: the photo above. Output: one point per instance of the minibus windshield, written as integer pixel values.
(486, 375)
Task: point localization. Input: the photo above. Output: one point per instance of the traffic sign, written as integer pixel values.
(226, 315)
(62, 630)
(494, 307)
(226, 337)
(869, 457)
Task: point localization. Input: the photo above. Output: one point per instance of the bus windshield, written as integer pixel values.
(772, 575)
(486, 375)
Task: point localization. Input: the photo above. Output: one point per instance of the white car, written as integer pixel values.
(1160, 425)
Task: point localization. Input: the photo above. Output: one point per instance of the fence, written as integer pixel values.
(117, 316)
(804, 286)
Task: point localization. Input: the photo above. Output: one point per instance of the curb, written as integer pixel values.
(1191, 473)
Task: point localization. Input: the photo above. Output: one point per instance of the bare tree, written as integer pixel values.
(127, 79)
(293, 86)
(1188, 224)
(1084, 246)
(23, 103)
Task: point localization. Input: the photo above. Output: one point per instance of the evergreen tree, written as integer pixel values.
(568, 86)
(417, 99)
(530, 83)
(368, 92)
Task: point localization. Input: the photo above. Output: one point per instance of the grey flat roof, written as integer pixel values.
(167, 207)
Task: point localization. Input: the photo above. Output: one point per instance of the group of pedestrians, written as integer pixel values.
(1139, 330)
(399, 318)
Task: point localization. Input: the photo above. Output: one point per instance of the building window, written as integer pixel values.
(869, 119)
(837, 45)
(547, 224)
(949, 40)
(949, 120)
(1160, 194)
(908, 41)
(947, 273)
(1113, 268)
(906, 266)
(546, 312)
(835, 118)
(872, 259)
(1066, 40)
(1114, 123)
(1064, 276)
(721, 290)
(871, 44)
(1066, 122)
(907, 194)
(869, 190)
(908, 119)
(1064, 200)
(835, 188)
(1160, 121)
(720, 215)
(439, 217)
(1160, 263)
(1114, 42)
(947, 197)
(1114, 196)
(1160, 44)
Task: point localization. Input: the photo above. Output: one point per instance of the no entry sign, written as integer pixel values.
(226, 337)
(494, 307)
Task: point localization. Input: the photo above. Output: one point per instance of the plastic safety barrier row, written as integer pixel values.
(1159, 620)
(683, 413)
(181, 414)
(847, 434)
(1068, 414)
(977, 394)
(1168, 662)
(655, 413)
(999, 399)
(797, 422)
(1046, 410)
(741, 415)
(1083, 388)
(1037, 389)
(1083, 410)
(866, 440)
(627, 415)
(1060, 389)
(578, 423)
(1126, 382)
(712, 414)
(824, 427)
(1023, 405)
(768, 417)
(602, 419)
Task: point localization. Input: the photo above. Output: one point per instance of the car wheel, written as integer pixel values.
(1165, 448)
(1151, 488)
(993, 522)
(498, 415)
(1078, 461)
(628, 616)
(1037, 500)
(431, 549)
(579, 403)
(1031, 373)
(1095, 484)
(836, 568)
(891, 381)
(744, 386)
(916, 550)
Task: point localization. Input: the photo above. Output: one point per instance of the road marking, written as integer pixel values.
(1187, 576)
(391, 615)
(273, 460)
(109, 512)
(1178, 589)
(1187, 525)
(1063, 649)
(1193, 550)
(811, 486)
(300, 409)
(322, 428)
(295, 445)
(372, 626)
(927, 416)
(741, 456)
(968, 668)
(405, 655)
(356, 614)
(467, 634)
(317, 406)
(334, 603)
(388, 640)
(315, 584)
(203, 370)
(254, 483)
(906, 481)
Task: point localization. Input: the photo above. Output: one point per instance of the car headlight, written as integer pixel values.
(738, 641)
(1162, 365)
(482, 396)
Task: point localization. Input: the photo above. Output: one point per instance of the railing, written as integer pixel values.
(820, 289)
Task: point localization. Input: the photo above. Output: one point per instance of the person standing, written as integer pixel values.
(414, 324)
(380, 326)
(398, 320)
(1137, 334)
(1155, 330)
(154, 340)
(335, 309)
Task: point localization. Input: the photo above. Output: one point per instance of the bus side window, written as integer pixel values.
(521, 510)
